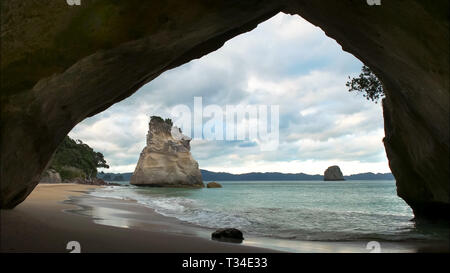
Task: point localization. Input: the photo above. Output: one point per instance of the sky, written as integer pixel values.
(285, 61)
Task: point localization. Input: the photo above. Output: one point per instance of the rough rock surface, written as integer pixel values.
(95, 181)
(228, 235)
(50, 176)
(213, 185)
(333, 173)
(166, 161)
(61, 64)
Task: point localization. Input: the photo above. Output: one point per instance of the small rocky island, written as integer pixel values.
(166, 161)
(333, 173)
(213, 184)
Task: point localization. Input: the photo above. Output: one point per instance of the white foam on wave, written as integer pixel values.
(182, 208)
(304, 223)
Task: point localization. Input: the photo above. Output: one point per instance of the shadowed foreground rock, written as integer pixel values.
(232, 235)
(61, 64)
(166, 161)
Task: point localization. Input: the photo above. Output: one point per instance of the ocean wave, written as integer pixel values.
(313, 224)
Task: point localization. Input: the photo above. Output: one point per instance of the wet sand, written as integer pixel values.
(44, 223)
(55, 214)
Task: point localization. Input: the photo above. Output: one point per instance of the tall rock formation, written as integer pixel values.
(166, 161)
(333, 173)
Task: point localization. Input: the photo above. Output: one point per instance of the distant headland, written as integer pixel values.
(258, 176)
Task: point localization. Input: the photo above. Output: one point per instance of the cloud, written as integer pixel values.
(285, 61)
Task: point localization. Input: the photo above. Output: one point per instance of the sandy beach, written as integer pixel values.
(42, 224)
(55, 214)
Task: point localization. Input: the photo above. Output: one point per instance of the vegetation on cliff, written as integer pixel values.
(368, 84)
(168, 121)
(75, 159)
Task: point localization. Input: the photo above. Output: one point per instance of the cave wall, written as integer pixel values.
(61, 64)
(406, 43)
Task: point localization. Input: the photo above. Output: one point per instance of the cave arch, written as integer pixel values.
(60, 64)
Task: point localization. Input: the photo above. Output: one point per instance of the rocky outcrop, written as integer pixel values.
(228, 235)
(61, 64)
(166, 161)
(50, 176)
(213, 185)
(95, 181)
(333, 173)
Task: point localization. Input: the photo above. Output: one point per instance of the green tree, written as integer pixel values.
(75, 158)
(368, 84)
(169, 121)
(158, 118)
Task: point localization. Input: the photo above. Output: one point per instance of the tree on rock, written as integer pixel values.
(367, 83)
(76, 159)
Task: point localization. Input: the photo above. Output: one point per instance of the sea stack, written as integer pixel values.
(166, 161)
(333, 173)
(213, 185)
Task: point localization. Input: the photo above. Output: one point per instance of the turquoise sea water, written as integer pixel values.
(301, 210)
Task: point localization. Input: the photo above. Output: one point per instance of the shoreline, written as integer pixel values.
(55, 214)
(43, 223)
(115, 215)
